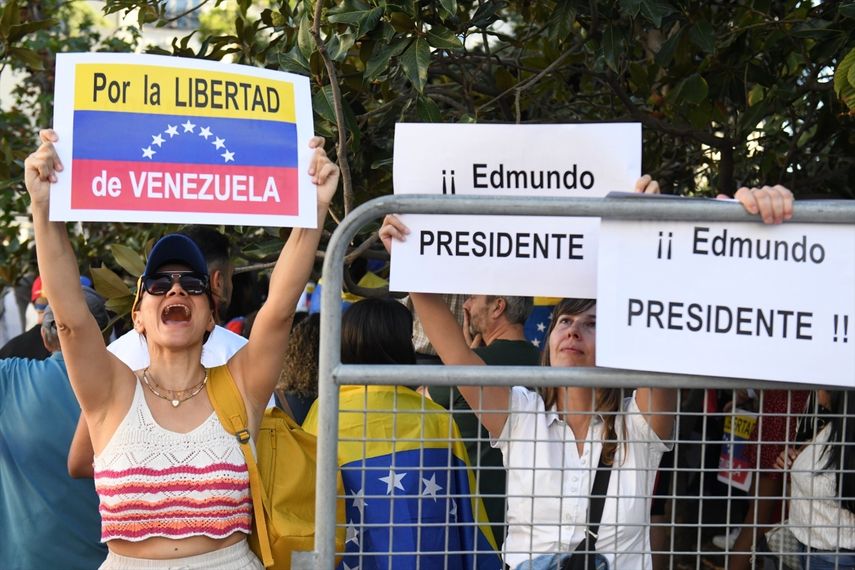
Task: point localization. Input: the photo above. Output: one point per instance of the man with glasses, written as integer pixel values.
(29, 344)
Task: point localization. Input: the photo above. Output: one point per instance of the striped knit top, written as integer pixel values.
(153, 482)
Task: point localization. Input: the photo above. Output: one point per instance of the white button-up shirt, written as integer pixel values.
(549, 483)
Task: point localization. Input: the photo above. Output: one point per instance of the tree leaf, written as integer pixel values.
(20, 30)
(364, 20)
(666, 51)
(128, 259)
(10, 17)
(294, 61)
(702, 35)
(630, 8)
(695, 89)
(847, 10)
(428, 110)
(304, 38)
(449, 6)
(108, 284)
(656, 10)
(415, 61)
(380, 59)
(339, 45)
(842, 72)
(485, 14)
(443, 38)
(120, 305)
(27, 57)
(844, 80)
(611, 47)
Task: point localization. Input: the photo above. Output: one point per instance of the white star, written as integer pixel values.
(157, 139)
(171, 130)
(541, 327)
(147, 152)
(219, 143)
(205, 132)
(229, 156)
(536, 342)
(430, 487)
(346, 567)
(393, 481)
(351, 534)
(453, 510)
(550, 316)
(358, 498)
(188, 126)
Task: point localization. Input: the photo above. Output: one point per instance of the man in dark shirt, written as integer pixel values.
(494, 327)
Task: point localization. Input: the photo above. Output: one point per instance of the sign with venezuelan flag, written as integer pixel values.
(147, 138)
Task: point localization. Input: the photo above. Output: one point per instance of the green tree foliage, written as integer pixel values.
(729, 93)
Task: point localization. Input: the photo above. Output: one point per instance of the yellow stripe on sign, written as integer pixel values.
(177, 91)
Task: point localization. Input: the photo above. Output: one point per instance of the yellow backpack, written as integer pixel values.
(281, 482)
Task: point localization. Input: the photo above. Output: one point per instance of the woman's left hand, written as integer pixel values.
(324, 172)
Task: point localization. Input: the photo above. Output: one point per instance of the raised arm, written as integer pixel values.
(257, 366)
(447, 338)
(80, 452)
(659, 408)
(92, 370)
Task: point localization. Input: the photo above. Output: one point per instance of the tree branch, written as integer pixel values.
(341, 147)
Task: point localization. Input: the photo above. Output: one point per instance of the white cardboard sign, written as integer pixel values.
(507, 255)
(738, 300)
(147, 138)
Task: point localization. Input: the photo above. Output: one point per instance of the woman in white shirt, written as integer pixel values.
(822, 486)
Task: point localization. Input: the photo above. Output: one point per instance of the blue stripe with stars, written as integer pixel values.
(136, 137)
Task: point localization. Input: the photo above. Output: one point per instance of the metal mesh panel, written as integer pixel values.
(405, 449)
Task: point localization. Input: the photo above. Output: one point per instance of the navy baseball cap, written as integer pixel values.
(176, 248)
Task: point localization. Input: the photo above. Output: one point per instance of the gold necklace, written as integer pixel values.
(178, 399)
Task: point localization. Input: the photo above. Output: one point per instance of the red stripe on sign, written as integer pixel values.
(151, 186)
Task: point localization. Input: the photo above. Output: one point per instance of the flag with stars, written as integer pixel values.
(158, 140)
(407, 485)
(538, 320)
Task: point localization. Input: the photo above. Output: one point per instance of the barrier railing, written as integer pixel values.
(333, 374)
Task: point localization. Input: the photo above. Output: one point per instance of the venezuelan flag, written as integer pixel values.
(408, 485)
(153, 138)
(538, 320)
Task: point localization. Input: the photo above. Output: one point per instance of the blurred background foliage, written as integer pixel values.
(729, 93)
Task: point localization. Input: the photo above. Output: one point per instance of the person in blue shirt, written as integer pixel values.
(47, 519)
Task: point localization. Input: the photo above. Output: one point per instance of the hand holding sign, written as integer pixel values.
(40, 169)
(324, 172)
(773, 203)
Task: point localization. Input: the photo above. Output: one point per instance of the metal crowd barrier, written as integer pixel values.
(333, 374)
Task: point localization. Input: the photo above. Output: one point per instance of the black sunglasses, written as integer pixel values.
(161, 283)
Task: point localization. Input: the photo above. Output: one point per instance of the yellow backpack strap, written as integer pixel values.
(228, 403)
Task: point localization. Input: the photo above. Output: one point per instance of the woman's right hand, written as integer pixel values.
(392, 228)
(40, 168)
(786, 458)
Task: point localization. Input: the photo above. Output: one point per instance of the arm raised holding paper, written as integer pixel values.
(134, 417)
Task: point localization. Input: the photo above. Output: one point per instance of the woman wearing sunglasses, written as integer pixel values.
(173, 485)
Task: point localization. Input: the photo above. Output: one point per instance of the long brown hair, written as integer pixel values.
(607, 401)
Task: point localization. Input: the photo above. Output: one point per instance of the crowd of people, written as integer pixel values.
(135, 470)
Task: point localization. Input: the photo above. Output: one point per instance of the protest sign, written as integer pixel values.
(741, 300)
(148, 138)
(507, 255)
(734, 467)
